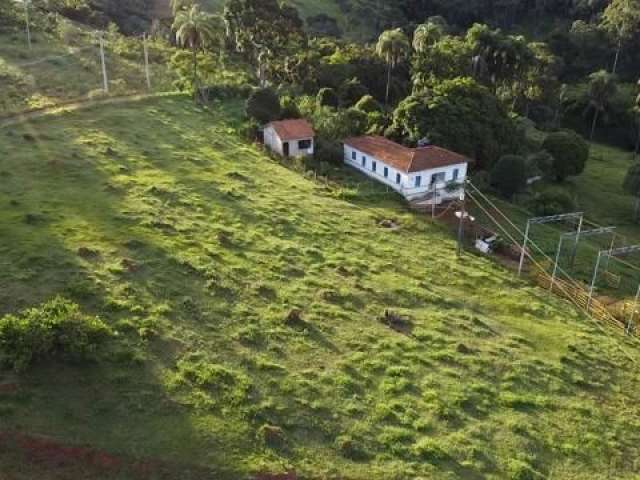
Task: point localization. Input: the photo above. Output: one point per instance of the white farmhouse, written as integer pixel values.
(419, 174)
(290, 138)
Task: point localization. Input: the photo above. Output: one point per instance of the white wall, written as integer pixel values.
(273, 141)
(407, 186)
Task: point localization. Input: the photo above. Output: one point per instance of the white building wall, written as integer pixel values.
(273, 141)
(407, 185)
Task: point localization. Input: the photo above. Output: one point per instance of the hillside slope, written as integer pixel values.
(248, 300)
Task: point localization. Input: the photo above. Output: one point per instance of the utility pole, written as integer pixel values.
(146, 60)
(574, 253)
(27, 22)
(434, 192)
(463, 214)
(105, 79)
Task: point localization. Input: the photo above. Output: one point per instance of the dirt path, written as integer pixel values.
(22, 117)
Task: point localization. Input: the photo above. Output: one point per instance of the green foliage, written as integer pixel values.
(569, 151)
(289, 108)
(460, 115)
(327, 97)
(509, 175)
(56, 329)
(369, 104)
(263, 105)
(552, 201)
(351, 91)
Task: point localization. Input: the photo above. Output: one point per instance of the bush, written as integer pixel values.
(540, 164)
(289, 108)
(351, 91)
(327, 97)
(569, 151)
(57, 328)
(328, 151)
(552, 202)
(509, 175)
(369, 104)
(263, 105)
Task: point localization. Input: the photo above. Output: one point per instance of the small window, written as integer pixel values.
(456, 174)
(418, 181)
(398, 178)
(438, 177)
(304, 144)
(386, 172)
(374, 166)
(354, 155)
(364, 161)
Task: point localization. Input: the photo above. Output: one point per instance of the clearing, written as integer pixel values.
(249, 301)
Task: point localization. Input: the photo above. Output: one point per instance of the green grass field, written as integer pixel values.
(199, 250)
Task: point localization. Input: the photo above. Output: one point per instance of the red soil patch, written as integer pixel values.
(45, 452)
(277, 476)
(8, 388)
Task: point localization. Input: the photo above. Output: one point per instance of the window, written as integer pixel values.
(374, 166)
(304, 144)
(354, 155)
(418, 181)
(456, 174)
(386, 172)
(398, 178)
(364, 161)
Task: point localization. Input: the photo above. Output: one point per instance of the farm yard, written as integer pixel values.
(248, 304)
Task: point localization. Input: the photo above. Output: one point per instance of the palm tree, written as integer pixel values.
(195, 29)
(179, 5)
(393, 46)
(426, 35)
(602, 87)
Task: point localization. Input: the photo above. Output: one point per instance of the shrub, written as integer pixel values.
(540, 164)
(509, 175)
(327, 97)
(289, 109)
(552, 202)
(569, 151)
(57, 328)
(328, 151)
(351, 91)
(263, 105)
(272, 436)
(368, 104)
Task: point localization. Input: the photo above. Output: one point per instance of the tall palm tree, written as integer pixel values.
(426, 35)
(178, 5)
(602, 87)
(196, 30)
(393, 46)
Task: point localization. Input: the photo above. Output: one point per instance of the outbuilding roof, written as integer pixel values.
(403, 158)
(294, 129)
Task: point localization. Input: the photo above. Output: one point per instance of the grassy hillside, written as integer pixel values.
(248, 301)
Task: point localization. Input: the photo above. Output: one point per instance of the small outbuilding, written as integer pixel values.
(290, 138)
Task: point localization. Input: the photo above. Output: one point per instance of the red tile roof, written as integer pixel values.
(298, 129)
(403, 158)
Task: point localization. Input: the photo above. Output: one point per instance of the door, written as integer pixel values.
(285, 149)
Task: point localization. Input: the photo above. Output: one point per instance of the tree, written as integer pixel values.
(179, 5)
(570, 153)
(636, 112)
(266, 32)
(327, 97)
(461, 115)
(196, 30)
(393, 46)
(509, 175)
(602, 88)
(426, 35)
(631, 186)
(263, 105)
(368, 104)
(621, 19)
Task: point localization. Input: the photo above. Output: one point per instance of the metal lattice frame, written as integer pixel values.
(617, 252)
(579, 234)
(543, 220)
